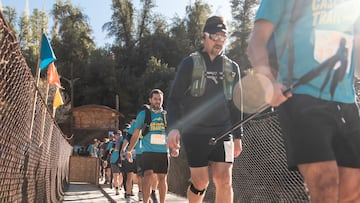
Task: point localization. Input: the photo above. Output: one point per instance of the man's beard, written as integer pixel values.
(156, 108)
(216, 50)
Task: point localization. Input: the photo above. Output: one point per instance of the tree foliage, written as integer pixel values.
(73, 45)
(31, 28)
(243, 14)
(10, 15)
(197, 15)
(143, 56)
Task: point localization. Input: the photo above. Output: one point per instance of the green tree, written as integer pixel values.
(157, 75)
(10, 15)
(179, 42)
(73, 46)
(99, 79)
(196, 17)
(31, 29)
(121, 25)
(243, 15)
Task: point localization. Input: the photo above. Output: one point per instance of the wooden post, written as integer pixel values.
(117, 109)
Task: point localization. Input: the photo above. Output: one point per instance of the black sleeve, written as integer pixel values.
(234, 111)
(178, 89)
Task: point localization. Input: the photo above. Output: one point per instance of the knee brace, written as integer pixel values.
(196, 191)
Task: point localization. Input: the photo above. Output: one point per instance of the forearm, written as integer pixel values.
(133, 140)
(259, 59)
(257, 52)
(257, 49)
(124, 145)
(177, 91)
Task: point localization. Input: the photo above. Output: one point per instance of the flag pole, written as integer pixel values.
(37, 76)
(43, 114)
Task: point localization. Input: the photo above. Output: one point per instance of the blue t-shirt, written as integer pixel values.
(98, 152)
(116, 152)
(109, 146)
(316, 37)
(90, 149)
(138, 146)
(131, 129)
(155, 140)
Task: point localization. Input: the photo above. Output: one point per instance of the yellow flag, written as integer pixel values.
(58, 101)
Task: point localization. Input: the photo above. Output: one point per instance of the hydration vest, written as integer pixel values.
(199, 76)
(148, 120)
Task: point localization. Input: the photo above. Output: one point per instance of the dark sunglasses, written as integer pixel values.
(216, 37)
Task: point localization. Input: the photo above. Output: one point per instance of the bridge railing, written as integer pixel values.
(34, 155)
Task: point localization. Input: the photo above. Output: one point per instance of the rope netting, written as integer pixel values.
(34, 158)
(260, 174)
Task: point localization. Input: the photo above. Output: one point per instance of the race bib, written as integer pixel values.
(158, 139)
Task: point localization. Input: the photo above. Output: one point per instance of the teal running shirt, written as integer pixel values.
(155, 140)
(316, 37)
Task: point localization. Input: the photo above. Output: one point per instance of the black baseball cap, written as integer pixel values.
(215, 24)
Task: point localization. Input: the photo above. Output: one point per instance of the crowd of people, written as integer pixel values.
(320, 121)
(115, 168)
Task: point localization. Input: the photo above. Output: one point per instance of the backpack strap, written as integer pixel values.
(198, 79)
(228, 77)
(164, 113)
(297, 11)
(147, 119)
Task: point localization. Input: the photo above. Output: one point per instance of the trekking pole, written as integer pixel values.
(341, 55)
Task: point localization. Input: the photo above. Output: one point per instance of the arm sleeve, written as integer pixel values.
(234, 111)
(178, 90)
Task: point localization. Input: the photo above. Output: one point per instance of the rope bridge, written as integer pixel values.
(34, 159)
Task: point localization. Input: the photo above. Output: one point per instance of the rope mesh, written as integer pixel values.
(260, 173)
(34, 167)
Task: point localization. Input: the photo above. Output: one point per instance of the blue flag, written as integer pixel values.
(47, 55)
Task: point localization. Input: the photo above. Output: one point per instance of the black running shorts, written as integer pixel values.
(139, 167)
(158, 162)
(199, 153)
(115, 168)
(129, 167)
(317, 130)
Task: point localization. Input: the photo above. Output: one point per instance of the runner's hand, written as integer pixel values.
(173, 142)
(129, 156)
(122, 155)
(237, 147)
(279, 97)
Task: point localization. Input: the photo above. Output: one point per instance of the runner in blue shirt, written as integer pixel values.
(115, 161)
(320, 121)
(155, 152)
